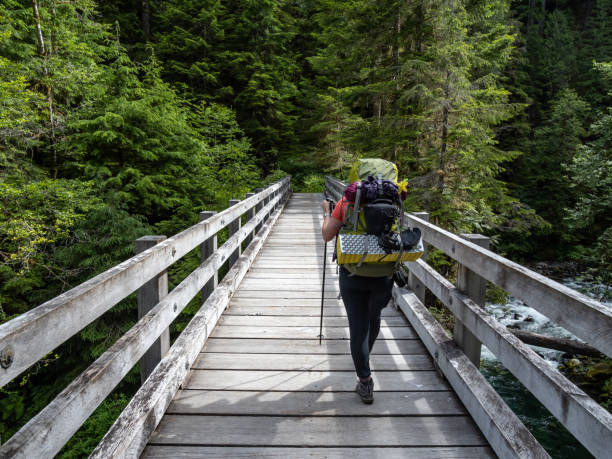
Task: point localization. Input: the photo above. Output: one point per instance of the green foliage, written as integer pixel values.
(89, 435)
(37, 217)
(313, 183)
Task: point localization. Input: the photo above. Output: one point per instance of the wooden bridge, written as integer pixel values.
(247, 376)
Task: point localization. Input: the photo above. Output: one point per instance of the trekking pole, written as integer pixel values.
(322, 294)
(323, 285)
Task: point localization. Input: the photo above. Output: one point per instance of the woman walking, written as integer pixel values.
(364, 295)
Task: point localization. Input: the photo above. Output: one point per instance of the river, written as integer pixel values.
(549, 432)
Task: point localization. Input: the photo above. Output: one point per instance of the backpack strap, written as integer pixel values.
(356, 206)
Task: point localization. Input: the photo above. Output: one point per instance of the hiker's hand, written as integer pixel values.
(325, 205)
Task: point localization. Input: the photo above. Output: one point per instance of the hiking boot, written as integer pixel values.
(365, 390)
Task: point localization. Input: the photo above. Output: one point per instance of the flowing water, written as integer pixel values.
(548, 431)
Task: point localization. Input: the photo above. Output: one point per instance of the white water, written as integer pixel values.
(516, 313)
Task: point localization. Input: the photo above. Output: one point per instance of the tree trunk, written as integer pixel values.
(146, 21)
(560, 344)
(44, 52)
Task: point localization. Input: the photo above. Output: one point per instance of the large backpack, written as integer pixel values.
(370, 240)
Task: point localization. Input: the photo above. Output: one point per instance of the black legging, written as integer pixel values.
(364, 298)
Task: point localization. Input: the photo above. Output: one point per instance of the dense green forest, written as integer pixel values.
(125, 118)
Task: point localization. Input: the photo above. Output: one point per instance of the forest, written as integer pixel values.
(125, 118)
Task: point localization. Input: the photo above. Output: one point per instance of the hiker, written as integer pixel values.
(366, 282)
(364, 298)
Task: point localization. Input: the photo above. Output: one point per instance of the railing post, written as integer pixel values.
(413, 282)
(258, 207)
(149, 295)
(249, 214)
(473, 286)
(232, 229)
(207, 248)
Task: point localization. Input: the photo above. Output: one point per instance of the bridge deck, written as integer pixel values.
(264, 387)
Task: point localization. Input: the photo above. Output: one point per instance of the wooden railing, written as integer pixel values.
(458, 357)
(29, 337)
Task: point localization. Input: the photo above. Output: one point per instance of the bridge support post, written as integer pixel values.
(415, 284)
(474, 286)
(249, 214)
(232, 229)
(258, 207)
(207, 248)
(149, 295)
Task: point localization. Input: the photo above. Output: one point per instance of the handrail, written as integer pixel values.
(587, 420)
(37, 332)
(49, 430)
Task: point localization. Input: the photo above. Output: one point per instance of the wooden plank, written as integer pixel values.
(335, 381)
(314, 403)
(582, 416)
(303, 362)
(317, 431)
(295, 287)
(289, 283)
(130, 432)
(271, 294)
(69, 312)
(502, 428)
(292, 273)
(220, 452)
(288, 302)
(229, 331)
(309, 346)
(304, 311)
(297, 321)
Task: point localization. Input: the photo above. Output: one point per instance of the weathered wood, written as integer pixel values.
(560, 344)
(285, 294)
(335, 381)
(304, 362)
(287, 302)
(314, 403)
(502, 428)
(248, 216)
(317, 431)
(221, 452)
(582, 416)
(232, 228)
(50, 429)
(308, 346)
(149, 295)
(130, 432)
(296, 321)
(415, 285)
(208, 247)
(230, 331)
(474, 287)
(69, 312)
(559, 303)
(304, 311)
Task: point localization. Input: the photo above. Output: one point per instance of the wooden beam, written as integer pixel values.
(474, 287)
(37, 332)
(582, 416)
(507, 435)
(232, 228)
(129, 434)
(208, 247)
(586, 318)
(149, 295)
